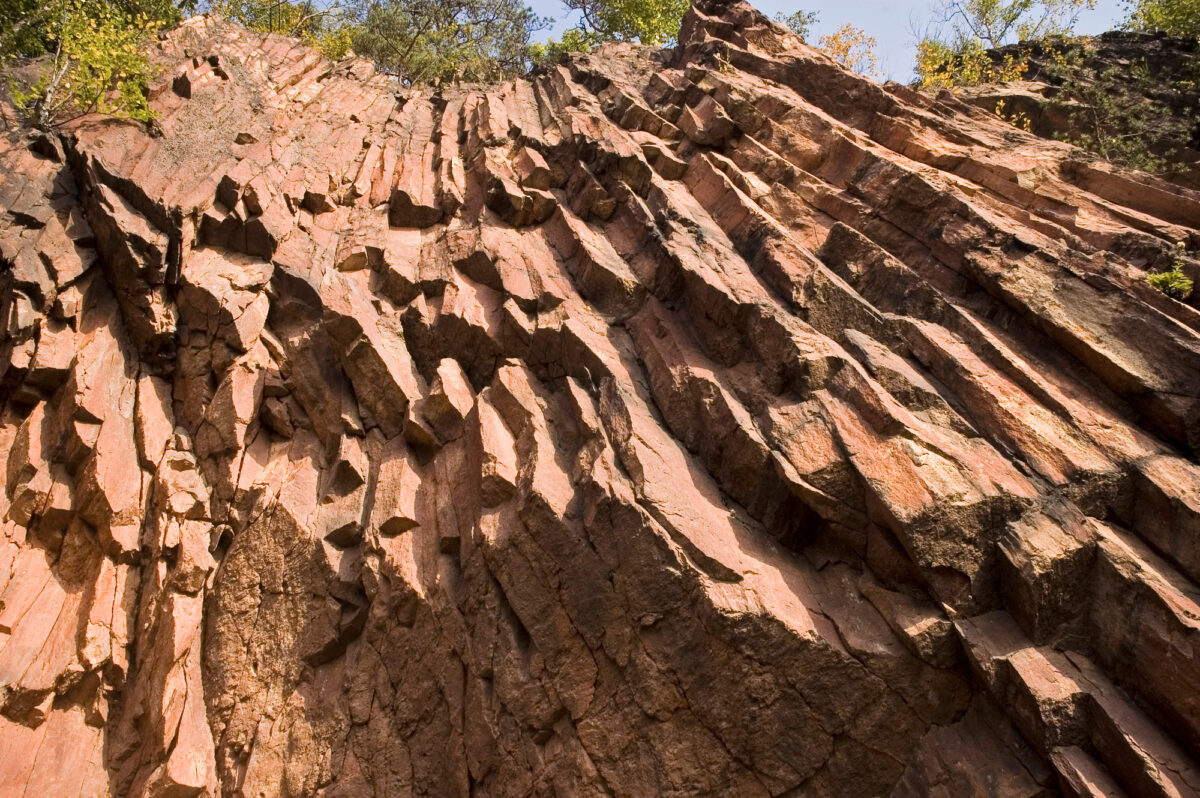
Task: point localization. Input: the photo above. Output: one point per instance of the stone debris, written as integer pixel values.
(695, 422)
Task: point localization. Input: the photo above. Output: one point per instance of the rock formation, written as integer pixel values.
(1159, 74)
(699, 422)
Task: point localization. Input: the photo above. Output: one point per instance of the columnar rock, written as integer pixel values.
(694, 422)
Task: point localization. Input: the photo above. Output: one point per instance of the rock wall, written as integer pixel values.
(701, 422)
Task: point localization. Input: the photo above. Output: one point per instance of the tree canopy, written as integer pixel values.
(651, 22)
(999, 22)
(426, 40)
(324, 27)
(852, 48)
(31, 27)
(423, 40)
(952, 50)
(800, 21)
(1177, 17)
(95, 54)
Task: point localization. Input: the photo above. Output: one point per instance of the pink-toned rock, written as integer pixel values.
(396, 491)
(449, 401)
(498, 457)
(697, 422)
(413, 201)
(532, 169)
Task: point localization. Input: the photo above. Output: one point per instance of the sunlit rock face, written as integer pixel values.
(700, 422)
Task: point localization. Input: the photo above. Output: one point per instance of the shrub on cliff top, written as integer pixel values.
(852, 48)
(940, 65)
(424, 40)
(952, 51)
(95, 57)
(800, 21)
(1176, 17)
(645, 21)
(325, 28)
(417, 40)
(651, 22)
(998, 22)
(1114, 110)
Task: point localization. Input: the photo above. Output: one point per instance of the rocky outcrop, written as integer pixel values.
(709, 421)
(1149, 81)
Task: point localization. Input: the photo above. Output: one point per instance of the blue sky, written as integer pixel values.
(887, 21)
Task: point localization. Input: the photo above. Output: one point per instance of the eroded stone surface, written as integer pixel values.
(702, 422)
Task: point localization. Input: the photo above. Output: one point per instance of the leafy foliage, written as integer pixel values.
(849, 46)
(940, 65)
(998, 22)
(24, 25)
(1018, 119)
(653, 22)
(1114, 110)
(800, 22)
(334, 41)
(97, 60)
(418, 40)
(955, 52)
(1112, 113)
(574, 40)
(645, 21)
(328, 29)
(852, 48)
(1174, 283)
(1176, 17)
(28, 27)
(268, 16)
(424, 40)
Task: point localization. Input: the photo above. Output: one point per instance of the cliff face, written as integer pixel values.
(700, 423)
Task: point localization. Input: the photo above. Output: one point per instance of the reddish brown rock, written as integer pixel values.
(702, 422)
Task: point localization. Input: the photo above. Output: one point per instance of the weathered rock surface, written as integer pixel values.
(710, 422)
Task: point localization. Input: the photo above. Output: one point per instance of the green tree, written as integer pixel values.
(28, 27)
(328, 29)
(268, 16)
(852, 48)
(425, 40)
(800, 21)
(1176, 17)
(653, 22)
(953, 50)
(574, 40)
(24, 25)
(96, 56)
(1117, 111)
(645, 21)
(999, 22)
